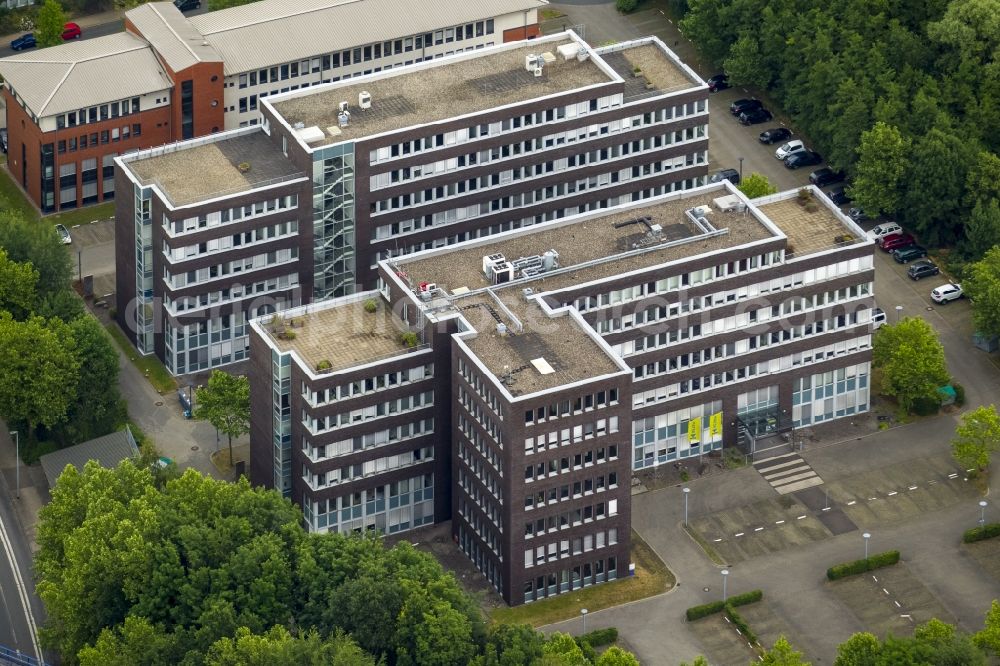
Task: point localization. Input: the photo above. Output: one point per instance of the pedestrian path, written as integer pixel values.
(788, 473)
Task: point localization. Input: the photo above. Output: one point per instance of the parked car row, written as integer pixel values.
(27, 41)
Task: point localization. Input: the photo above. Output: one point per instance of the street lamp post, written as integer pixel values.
(583, 613)
(741, 169)
(725, 576)
(982, 513)
(899, 312)
(867, 536)
(687, 491)
(17, 461)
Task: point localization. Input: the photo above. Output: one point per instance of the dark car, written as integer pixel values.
(801, 159)
(744, 105)
(775, 134)
(732, 175)
(825, 176)
(3, 139)
(715, 84)
(187, 5)
(921, 269)
(839, 195)
(905, 255)
(23, 42)
(896, 241)
(184, 398)
(755, 117)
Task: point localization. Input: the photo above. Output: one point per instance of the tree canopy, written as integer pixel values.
(756, 185)
(912, 361)
(49, 24)
(983, 286)
(977, 437)
(902, 95)
(225, 403)
(198, 571)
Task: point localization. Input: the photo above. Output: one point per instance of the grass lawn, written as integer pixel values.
(12, 194)
(651, 577)
(150, 366)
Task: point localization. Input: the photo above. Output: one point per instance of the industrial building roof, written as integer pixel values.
(108, 451)
(172, 35)
(269, 32)
(83, 73)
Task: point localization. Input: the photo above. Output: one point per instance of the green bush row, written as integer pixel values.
(741, 624)
(698, 612)
(860, 566)
(979, 533)
(600, 637)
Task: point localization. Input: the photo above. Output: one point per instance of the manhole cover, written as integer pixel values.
(194, 448)
(159, 403)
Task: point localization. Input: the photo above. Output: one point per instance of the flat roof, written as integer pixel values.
(585, 240)
(659, 72)
(209, 167)
(269, 32)
(437, 90)
(83, 73)
(339, 332)
(811, 225)
(521, 360)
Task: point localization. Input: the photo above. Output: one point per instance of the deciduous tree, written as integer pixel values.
(38, 371)
(17, 286)
(977, 437)
(615, 656)
(756, 185)
(782, 654)
(882, 158)
(989, 637)
(861, 649)
(225, 403)
(49, 24)
(745, 64)
(912, 361)
(983, 286)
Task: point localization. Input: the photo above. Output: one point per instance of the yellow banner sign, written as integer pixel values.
(715, 424)
(694, 430)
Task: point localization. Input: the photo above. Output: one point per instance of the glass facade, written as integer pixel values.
(144, 270)
(281, 420)
(830, 395)
(685, 432)
(333, 222)
(758, 410)
(386, 508)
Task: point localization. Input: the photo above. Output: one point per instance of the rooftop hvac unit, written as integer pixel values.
(527, 292)
(530, 61)
(703, 220)
(502, 272)
(343, 118)
(342, 107)
(491, 260)
(701, 211)
(537, 71)
(656, 230)
(501, 328)
(549, 260)
(365, 99)
(568, 51)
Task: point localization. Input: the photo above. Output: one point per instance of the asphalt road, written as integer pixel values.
(20, 609)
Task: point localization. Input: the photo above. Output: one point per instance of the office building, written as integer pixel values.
(512, 384)
(391, 163)
(169, 77)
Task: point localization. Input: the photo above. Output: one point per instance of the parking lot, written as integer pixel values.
(93, 253)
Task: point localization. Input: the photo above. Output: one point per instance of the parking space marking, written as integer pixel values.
(893, 493)
(913, 487)
(800, 517)
(953, 475)
(758, 529)
(852, 502)
(738, 534)
(779, 522)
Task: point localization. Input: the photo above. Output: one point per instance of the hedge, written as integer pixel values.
(979, 533)
(600, 637)
(860, 566)
(741, 624)
(698, 612)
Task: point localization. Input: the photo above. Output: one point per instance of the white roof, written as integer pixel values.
(83, 73)
(177, 41)
(270, 32)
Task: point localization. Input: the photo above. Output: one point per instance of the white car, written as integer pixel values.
(64, 234)
(878, 318)
(790, 148)
(947, 292)
(884, 229)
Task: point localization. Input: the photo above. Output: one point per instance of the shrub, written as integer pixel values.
(925, 406)
(287, 334)
(587, 649)
(987, 531)
(959, 394)
(626, 6)
(876, 561)
(409, 338)
(600, 637)
(685, 476)
(745, 598)
(324, 365)
(740, 623)
(698, 612)
(371, 305)
(805, 195)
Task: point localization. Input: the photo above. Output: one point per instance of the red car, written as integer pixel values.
(71, 31)
(896, 241)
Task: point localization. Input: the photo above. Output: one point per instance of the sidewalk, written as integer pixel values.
(34, 488)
